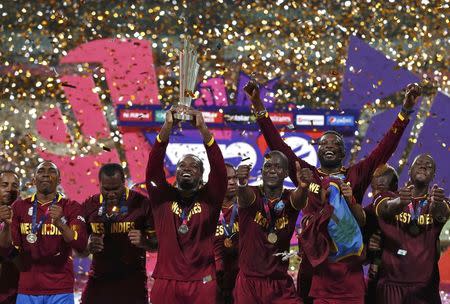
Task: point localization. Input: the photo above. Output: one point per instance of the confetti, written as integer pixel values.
(305, 43)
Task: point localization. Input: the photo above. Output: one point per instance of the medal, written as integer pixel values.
(31, 238)
(36, 226)
(272, 238)
(271, 215)
(228, 227)
(413, 227)
(183, 229)
(228, 243)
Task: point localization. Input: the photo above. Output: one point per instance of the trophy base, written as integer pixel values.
(183, 116)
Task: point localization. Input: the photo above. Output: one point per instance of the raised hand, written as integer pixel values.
(304, 175)
(252, 91)
(437, 194)
(243, 174)
(405, 195)
(413, 91)
(95, 243)
(56, 213)
(5, 214)
(170, 119)
(346, 191)
(198, 121)
(169, 122)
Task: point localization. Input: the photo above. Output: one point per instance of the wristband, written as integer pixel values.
(261, 114)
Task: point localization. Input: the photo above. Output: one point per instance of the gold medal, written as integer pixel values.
(272, 238)
(228, 243)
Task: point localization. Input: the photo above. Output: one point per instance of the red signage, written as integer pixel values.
(136, 115)
(282, 118)
(212, 117)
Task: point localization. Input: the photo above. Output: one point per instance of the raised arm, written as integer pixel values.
(440, 208)
(217, 178)
(271, 134)
(356, 209)
(387, 207)
(387, 146)
(246, 196)
(155, 175)
(299, 197)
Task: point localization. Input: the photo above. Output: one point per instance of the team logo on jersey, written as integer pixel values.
(81, 218)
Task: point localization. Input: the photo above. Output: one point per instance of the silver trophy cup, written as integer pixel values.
(188, 79)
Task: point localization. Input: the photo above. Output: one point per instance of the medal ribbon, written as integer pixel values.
(35, 227)
(232, 219)
(122, 207)
(269, 214)
(184, 214)
(416, 213)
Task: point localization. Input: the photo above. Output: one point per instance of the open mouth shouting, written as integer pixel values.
(329, 155)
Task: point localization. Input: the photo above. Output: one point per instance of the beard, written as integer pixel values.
(187, 185)
(335, 163)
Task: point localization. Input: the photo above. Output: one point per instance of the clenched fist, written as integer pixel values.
(5, 213)
(405, 194)
(95, 243)
(413, 91)
(304, 175)
(243, 174)
(136, 237)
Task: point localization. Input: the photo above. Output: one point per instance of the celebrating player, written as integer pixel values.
(337, 280)
(120, 224)
(267, 217)
(45, 228)
(186, 217)
(226, 244)
(411, 222)
(385, 179)
(9, 274)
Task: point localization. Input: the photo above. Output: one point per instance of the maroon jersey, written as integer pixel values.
(9, 275)
(190, 256)
(346, 276)
(407, 257)
(119, 257)
(256, 254)
(47, 266)
(227, 257)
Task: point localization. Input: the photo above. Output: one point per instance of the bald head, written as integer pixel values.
(422, 170)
